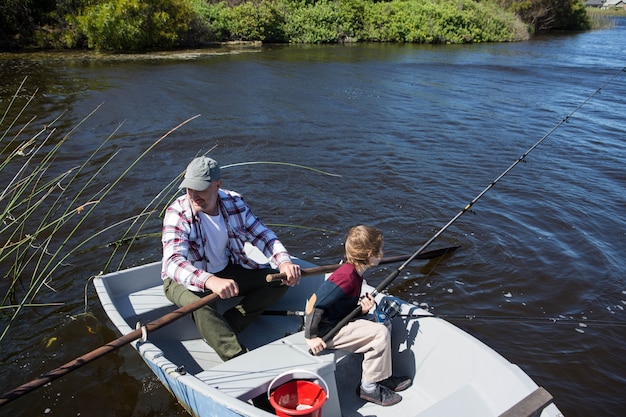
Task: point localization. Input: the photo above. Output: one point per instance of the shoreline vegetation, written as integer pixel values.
(122, 26)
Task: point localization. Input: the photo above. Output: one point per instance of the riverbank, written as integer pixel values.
(131, 26)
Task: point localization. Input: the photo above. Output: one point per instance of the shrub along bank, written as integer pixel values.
(134, 25)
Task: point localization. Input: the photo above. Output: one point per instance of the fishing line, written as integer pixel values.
(472, 317)
(520, 319)
(522, 158)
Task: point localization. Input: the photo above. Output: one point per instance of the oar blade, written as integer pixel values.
(436, 253)
(424, 255)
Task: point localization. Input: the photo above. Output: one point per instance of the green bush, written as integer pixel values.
(446, 21)
(258, 22)
(274, 15)
(572, 15)
(137, 25)
(217, 18)
(131, 25)
(312, 23)
(329, 21)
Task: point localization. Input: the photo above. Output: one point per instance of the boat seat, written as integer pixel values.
(248, 376)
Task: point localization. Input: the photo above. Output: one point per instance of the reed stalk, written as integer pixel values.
(43, 211)
(602, 19)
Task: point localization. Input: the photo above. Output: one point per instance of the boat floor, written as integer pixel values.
(197, 358)
(184, 346)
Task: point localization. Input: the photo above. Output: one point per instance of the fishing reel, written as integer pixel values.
(387, 309)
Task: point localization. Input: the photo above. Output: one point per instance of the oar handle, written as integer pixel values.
(103, 350)
(330, 268)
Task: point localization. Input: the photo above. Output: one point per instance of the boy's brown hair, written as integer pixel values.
(361, 243)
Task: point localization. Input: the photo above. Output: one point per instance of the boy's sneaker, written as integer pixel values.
(397, 383)
(381, 396)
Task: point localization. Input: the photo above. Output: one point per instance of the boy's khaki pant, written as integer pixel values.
(373, 340)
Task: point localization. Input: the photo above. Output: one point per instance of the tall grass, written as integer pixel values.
(44, 206)
(603, 18)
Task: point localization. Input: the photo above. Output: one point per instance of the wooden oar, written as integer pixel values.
(103, 350)
(165, 320)
(329, 268)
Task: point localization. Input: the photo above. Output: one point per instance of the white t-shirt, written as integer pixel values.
(216, 237)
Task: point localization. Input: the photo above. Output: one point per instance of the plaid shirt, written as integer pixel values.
(184, 257)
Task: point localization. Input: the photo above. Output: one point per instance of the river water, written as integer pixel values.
(415, 133)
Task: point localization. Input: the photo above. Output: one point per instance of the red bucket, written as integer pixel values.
(298, 397)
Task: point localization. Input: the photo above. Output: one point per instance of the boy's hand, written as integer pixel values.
(316, 345)
(367, 302)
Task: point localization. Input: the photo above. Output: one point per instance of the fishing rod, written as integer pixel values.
(471, 317)
(393, 275)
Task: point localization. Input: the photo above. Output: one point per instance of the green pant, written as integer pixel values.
(220, 331)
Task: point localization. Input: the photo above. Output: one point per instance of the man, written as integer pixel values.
(203, 238)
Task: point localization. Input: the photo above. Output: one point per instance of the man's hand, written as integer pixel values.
(224, 287)
(292, 271)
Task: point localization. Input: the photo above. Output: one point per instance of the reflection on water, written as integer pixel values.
(415, 132)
